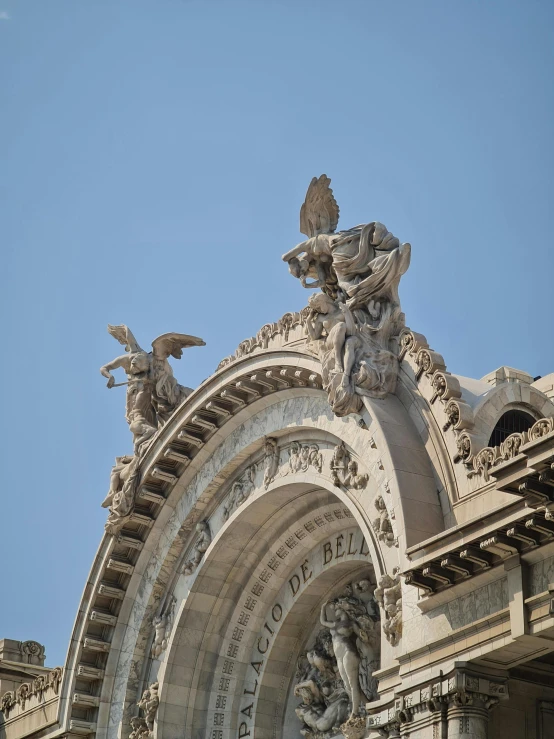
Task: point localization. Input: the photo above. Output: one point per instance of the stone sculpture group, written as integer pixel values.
(357, 312)
(350, 323)
(336, 674)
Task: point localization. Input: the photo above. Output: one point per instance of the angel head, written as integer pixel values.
(140, 363)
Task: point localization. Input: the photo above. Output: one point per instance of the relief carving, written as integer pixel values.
(389, 596)
(382, 525)
(344, 470)
(335, 676)
(124, 482)
(201, 546)
(353, 318)
(162, 629)
(31, 652)
(240, 491)
(304, 456)
(149, 704)
(271, 460)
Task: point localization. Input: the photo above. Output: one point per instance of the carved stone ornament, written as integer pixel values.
(358, 310)
(271, 461)
(200, 547)
(152, 391)
(240, 491)
(144, 727)
(31, 652)
(302, 457)
(26, 691)
(335, 676)
(344, 470)
(153, 394)
(124, 482)
(162, 629)
(382, 525)
(389, 596)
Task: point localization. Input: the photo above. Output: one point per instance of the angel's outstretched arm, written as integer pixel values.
(116, 363)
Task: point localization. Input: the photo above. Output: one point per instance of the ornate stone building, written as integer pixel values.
(332, 536)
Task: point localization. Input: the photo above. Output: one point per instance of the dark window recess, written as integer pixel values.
(512, 422)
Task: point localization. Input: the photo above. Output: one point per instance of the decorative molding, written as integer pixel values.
(266, 335)
(35, 689)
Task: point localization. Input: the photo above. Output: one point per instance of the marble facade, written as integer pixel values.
(317, 541)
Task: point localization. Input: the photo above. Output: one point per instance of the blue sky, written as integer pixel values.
(154, 159)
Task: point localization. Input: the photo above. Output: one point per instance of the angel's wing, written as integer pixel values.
(125, 336)
(319, 213)
(173, 344)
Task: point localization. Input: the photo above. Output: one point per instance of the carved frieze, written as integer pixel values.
(304, 456)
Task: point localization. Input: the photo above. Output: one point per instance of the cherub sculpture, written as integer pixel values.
(358, 310)
(153, 393)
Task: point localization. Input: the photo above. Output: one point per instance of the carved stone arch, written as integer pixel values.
(257, 582)
(179, 488)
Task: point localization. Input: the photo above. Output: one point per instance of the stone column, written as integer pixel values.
(468, 715)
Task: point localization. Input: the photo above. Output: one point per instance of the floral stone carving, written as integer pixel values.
(335, 676)
(389, 596)
(358, 310)
(344, 470)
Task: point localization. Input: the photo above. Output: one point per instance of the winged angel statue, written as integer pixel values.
(358, 310)
(153, 393)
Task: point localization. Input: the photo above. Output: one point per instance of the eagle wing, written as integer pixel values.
(173, 344)
(124, 335)
(319, 213)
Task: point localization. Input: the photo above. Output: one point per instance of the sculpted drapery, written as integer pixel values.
(358, 310)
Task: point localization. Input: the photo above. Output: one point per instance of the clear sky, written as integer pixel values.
(155, 155)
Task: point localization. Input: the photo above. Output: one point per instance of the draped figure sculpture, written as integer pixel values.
(153, 394)
(358, 310)
(335, 676)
